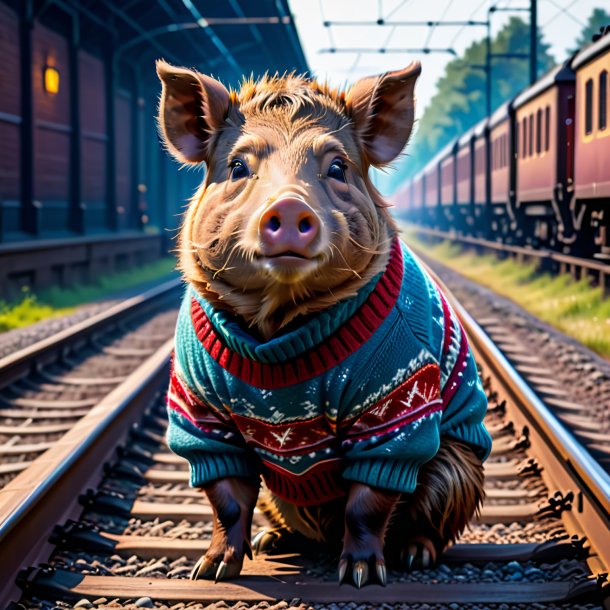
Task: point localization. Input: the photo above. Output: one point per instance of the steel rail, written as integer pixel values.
(584, 474)
(47, 492)
(47, 350)
(564, 260)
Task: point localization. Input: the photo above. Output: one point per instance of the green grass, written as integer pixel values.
(55, 302)
(575, 307)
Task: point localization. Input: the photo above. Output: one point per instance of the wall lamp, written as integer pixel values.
(51, 79)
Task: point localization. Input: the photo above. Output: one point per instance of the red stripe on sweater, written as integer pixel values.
(290, 438)
(448, 326)
(319, 484)
(414, 398)
(453, 383)
(347, 339)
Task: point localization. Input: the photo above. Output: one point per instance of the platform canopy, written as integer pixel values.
(227, 39)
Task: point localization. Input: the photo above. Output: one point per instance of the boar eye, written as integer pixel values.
(239, 169)
(337, 170)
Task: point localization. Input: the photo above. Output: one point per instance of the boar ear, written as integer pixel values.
(383, 108)
(192, 107)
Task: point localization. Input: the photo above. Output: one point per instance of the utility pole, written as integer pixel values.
(488, 67)
(533, 41)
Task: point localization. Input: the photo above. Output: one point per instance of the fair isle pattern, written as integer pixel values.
(415, 398)
(453, 337)
(307, 452)
(365, 401)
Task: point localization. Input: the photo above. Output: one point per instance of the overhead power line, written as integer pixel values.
(386, 23)
(383, 50)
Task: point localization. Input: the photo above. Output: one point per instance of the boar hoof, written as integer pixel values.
(219, 568)
(360, 570)
(280, 540)
(419, 553)
(204, 568)
(265, 541)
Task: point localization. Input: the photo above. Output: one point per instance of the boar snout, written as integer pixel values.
(288, 227)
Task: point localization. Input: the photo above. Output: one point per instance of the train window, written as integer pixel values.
(530, 135)
(539, 131)
(603, 100)
(547, 128)
(589, 106)
(524, 139)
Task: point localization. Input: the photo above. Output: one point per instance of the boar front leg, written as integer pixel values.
(367, 513)
(233, 501)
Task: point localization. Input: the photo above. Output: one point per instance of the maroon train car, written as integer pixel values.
(447, 183)
(432, 192)
(471, 179)
(480, 178)
(591, 186)
(501, 175)
(544, 114)
(464, 162)
(417, 198)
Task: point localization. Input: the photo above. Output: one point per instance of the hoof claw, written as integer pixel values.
(261, 541)
(202, 569)
(411, 553)
(221, 572)
(360, 573)
(382, 574)
(425, 558)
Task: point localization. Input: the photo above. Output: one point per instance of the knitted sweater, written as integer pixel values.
(362, 391)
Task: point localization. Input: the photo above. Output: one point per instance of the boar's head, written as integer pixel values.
(287, 221)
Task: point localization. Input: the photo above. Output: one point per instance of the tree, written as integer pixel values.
(599, 18)
(460, 102)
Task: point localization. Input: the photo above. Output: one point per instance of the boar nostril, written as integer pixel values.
(304, 225)
(274, 223)
(289, 224)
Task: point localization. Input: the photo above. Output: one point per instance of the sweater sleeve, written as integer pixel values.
(200, 429)
(431, 390)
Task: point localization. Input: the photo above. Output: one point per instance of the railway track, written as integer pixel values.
(562, 263)
(47, 387)
(124, 527)
(52, 388)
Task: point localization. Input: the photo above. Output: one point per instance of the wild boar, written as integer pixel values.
(312, 349)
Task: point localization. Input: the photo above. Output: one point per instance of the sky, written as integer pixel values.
(560, 20)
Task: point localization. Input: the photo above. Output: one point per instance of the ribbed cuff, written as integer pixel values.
(395, 475)
(206, 467)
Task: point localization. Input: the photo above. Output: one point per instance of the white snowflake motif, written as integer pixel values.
(426, 394)
(381, 409)
(310, 408)
(422, 358)
(282, 438)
